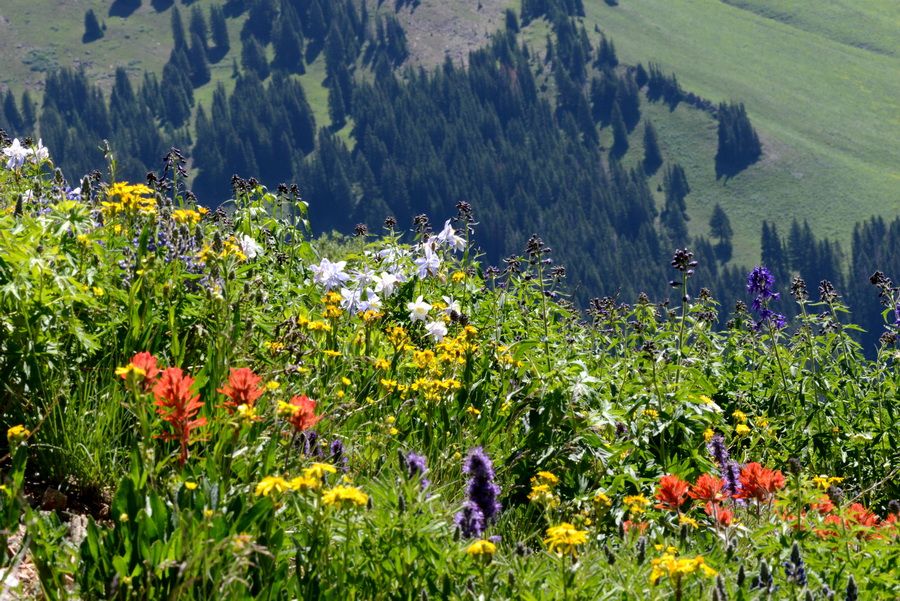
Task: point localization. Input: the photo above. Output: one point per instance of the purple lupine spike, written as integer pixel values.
(469, 520)
(481, 488)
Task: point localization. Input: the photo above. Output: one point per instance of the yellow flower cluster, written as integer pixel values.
(455, 350)
(230, 248)
(17, 434)
(128, 199)
(432, 390)
(482, 549)
(677, 567)
(637, 504)
(565, 539)
(826, 482)
(542, 489)
(399, 338)
(189, 216)
(312, 479)
(345, 497)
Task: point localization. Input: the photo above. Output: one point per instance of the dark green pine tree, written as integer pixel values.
(197, 27)
(29, 112)
(652, 154)
(262, 16)
(12, 114)
(178, 35)
(674, 216)
(620, 134)
(253, 58)
(720, 229)
(288, 49)
(219, 29)
(200, 73)
(512, 21)
(336, 107)
(92, 29)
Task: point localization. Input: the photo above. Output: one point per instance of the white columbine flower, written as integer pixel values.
(40, 153)
(369, 302)
(328, 274)
(16, 153)
(437, 330)
(452, 305)
(363, 277)
(428, 264)
(448, 236)
(385, 283)
(249, 246)
(418, 311)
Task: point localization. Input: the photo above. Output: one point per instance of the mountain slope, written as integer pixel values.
(826, 109)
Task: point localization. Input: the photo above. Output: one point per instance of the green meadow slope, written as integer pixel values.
(821, 82)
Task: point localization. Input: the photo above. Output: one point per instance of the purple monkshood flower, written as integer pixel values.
(731, 474)
(338, 457)
(761, 283)
(717, 449)
(416, 466)
(469, 520)
(481, 488)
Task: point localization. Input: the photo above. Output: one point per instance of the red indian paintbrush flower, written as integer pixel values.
(176, 406)
(242, 389)
(720, 514)
(672, 492)
(709, 489)
(143, 368)
(760, 483)
(301, 412)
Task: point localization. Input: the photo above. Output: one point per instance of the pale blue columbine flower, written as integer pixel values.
(449, 237)
(16, 155)
(328, 274)
(429, 263)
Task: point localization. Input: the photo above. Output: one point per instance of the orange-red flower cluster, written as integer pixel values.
(672, 492)
(302, 413)
(143, 366)
(177, 406)
(760, 483)
(242, 389)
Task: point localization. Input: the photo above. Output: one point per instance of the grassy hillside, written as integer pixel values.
(820, 84)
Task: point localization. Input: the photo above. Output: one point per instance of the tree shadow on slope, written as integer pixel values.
(124, 8)
(161, 5)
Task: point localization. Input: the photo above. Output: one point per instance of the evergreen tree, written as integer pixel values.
(92, 29)
(253, 58)
(620, 133)
(219, 30)
(739, 144)
(512, 21)
(178, 35)
(200, 73)
(606, 54)
(720, 229)
(198, 28)
(674, 215)
(652, 154)
(336, 109)
(288, 49)
(12, 115)
(261, 16)
(29, 113)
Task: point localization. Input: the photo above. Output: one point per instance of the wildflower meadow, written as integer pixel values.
(213, 404)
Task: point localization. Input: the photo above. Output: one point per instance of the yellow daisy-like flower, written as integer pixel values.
(547, 478)
(345, 497)
(825, 482)
(382, 364)
(688, 521)
(651, 413)
(190, 485)
(473, 411)
(318, 470)
(271, 484)
(601, 500)
(542, 494)
(458, 276)
(565, 539)
(17, 434)
(330, 353)
(481, 548)
(186, 216)
(742, 429)
(129, 370)
(739, 416)
(636, 503)
(676, 568)
(272, 385)
(708, 434)
(305, 483)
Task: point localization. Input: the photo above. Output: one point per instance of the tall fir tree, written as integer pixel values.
(219, 30)
(652, 155)
(720, 229)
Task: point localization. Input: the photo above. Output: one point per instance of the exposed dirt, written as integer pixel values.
(439, 28)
